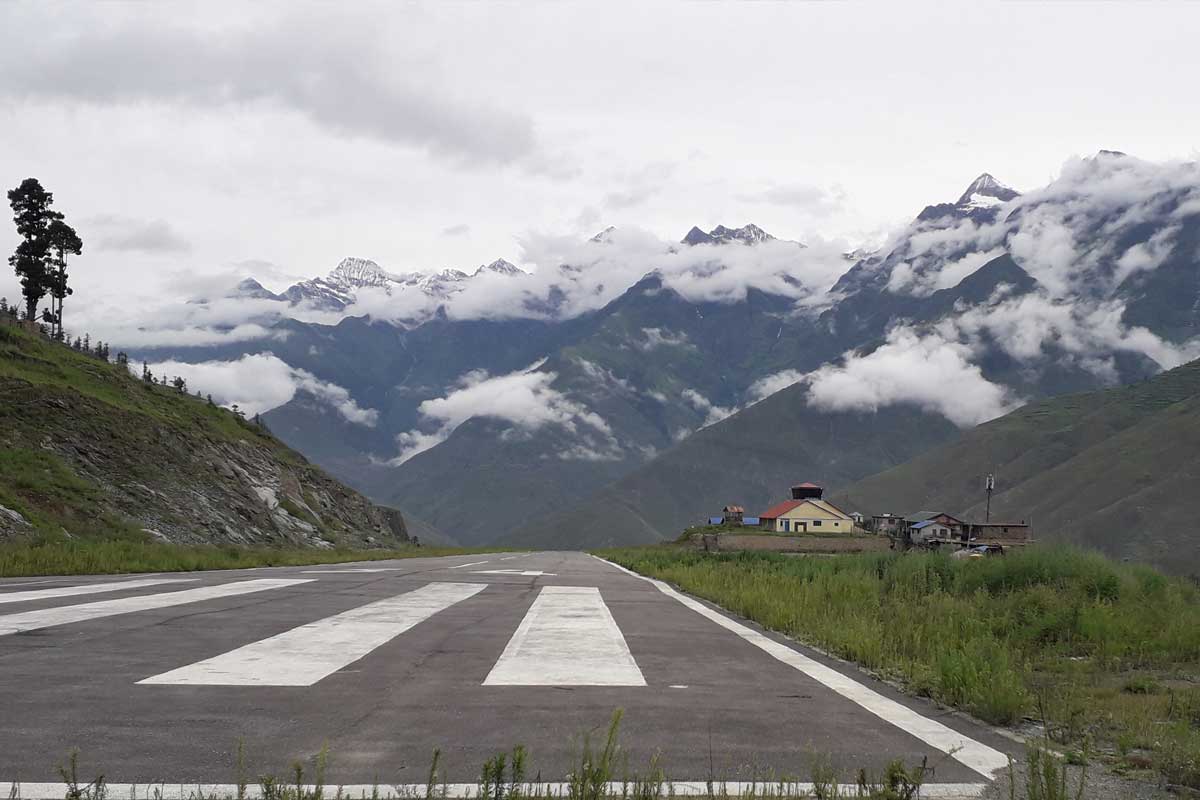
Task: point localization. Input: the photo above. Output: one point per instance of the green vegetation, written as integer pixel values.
(1109, 469)
(596, 773)
(129, 555)
(90, 452)
(1094, 651)
(53, 367)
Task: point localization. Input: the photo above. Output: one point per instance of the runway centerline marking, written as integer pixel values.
(472, 564)
(350, 570)
(528, 573)
(87, 588)
(567, 638)
(306, 654)
(63, 615)
(962, 748)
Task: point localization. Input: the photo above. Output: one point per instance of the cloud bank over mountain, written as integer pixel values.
(260, 382)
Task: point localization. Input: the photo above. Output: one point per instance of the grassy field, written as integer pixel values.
(111, 556)
(1105, 656)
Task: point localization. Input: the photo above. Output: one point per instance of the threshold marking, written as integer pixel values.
(63, 615)
(567, 638)
(87, 588)
(472, 564)
(962, 748)
(304, 655)
(183, 790)
(526, 572)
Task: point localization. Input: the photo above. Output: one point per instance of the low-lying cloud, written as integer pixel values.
(258, 383)
(524, 399)
(925, 371)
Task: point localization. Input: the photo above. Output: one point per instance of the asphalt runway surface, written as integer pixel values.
(155, 678)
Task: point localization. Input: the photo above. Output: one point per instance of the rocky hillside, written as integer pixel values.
(87, 450)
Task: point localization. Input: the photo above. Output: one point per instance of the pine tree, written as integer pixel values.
(122, 358)
(87, 343)
(147, 376)
(210, 400)
(180, 385)
(63, 241)
(32, 260)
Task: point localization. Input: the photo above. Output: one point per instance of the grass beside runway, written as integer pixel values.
(119, 556)
(1105, 656)
(601, 770)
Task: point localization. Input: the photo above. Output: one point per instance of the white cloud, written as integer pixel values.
(258, 383)
(765, 387)
(712, 413)
(925, 371)
(523, 399)
(660, 337)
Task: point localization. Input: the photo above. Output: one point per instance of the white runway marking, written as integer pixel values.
(526, 572)
(976, 755)
(47, 617)
(304, 655)
(568, 638)
(472, 564)
(352, 569)
(88, 588)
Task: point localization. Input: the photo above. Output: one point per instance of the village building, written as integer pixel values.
(806, 512)
(1004, 534)
(887, 524)
(733, 515)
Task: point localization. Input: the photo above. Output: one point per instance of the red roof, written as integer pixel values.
(806, 485)
(776, 511)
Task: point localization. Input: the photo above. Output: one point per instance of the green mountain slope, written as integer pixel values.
(1114, 469)
(749, 459)
(87, 450)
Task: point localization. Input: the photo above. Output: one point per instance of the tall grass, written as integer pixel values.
(1052, 633)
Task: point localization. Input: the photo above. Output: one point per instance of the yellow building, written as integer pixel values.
(806, 512)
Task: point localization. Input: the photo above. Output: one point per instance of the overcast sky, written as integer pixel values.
(192, 144)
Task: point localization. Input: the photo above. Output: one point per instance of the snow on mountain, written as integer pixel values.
(986, 192)
(341, 286)
(500, 267)
(747, 234)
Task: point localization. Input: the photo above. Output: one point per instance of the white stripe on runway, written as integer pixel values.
(304, 655)
(962, 748)
(472, 564)
(87, 588)
(46, 617)
(353, 569)
(568, 638)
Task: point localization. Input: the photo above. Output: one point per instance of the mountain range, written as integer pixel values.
(626, 387)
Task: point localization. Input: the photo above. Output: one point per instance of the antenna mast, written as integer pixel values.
(989, 484)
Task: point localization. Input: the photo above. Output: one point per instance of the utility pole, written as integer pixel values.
(989, 484)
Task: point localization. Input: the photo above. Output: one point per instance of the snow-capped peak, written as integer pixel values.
(747, 234)
(501, 267)
(604, 235)
(359, 272)
(985, 191)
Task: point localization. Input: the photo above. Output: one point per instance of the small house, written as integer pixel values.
(858, 518)
(887, 524)
(998, 533)
(943, 526)
(806, 512)
(733, 515)
(929, 530)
